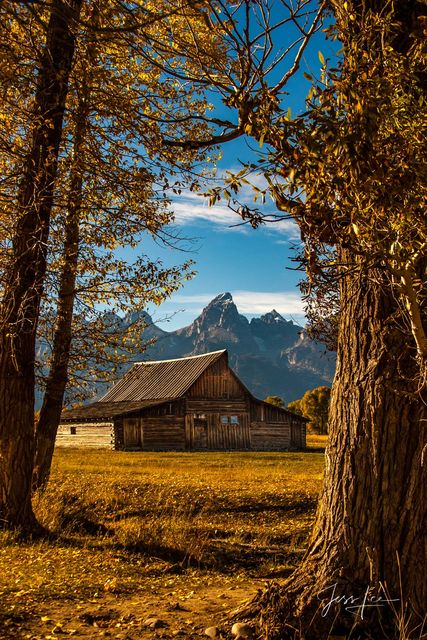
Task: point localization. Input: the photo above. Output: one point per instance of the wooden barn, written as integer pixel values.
(187, 404)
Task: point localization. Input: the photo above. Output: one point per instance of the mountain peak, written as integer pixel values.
(273, 317)
(222, 298)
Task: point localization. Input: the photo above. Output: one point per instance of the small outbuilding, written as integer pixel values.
(188, 404)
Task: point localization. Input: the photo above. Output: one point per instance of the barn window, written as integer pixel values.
(73, 431)
(229, 419)
(200, 416)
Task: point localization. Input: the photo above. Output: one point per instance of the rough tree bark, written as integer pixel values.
(25, 274)
(369, 536)
(50, 412)
(53, 398)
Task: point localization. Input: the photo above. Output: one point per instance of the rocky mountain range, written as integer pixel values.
(271, 355)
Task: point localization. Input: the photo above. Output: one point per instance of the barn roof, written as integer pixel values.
(146, 384)
(161, 379)
(105, 410)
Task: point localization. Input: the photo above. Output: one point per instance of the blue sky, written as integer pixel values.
(255, 266)
(250, 264)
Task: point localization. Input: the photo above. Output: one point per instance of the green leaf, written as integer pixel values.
(321, 57)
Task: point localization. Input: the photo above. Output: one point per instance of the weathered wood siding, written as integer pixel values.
(232, 406)
(97, 435)
(159, 428)
(211, 434)
(262, 411)
(270, 436)
(164, 433)
(217, 381)
(273, 429)
(298, 434)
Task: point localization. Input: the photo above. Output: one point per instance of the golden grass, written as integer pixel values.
(129, 523)
(315, 441)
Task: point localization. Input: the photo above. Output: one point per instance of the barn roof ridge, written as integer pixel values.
(199, 355)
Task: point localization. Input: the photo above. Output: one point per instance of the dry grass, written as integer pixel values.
(316, 442)
(132, 524)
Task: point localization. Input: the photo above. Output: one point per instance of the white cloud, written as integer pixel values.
(259, 302)
(194, 209)
(195, 299)
(190, 210)
(287, 303)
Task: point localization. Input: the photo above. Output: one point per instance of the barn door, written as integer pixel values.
(295, 435)
(200, 433)
(132, 433)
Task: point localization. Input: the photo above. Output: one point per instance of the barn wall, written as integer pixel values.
(164, 434)
(95, 435)
(118, 438)
(298, 434)
(270, 436)
(217, 406)
(263, 411)
(217, 381)
(206, 431)
(158, 428)
(273, 429)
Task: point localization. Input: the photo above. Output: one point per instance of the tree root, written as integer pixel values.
(292, 611)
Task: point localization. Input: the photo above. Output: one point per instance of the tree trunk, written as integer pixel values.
(50, 413)
(368, 539)
(24, 276)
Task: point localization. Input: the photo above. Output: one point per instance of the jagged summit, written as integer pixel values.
(274, 317)
(219, 325)
(222, 297)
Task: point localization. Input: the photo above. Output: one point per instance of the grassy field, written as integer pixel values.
(182, 537)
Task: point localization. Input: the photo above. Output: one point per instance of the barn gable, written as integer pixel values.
(217, 381)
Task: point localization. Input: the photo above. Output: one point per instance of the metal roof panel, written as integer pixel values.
(161, 378)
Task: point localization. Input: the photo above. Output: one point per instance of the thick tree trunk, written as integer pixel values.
(25, 274)
(368, 541)
(50, 413)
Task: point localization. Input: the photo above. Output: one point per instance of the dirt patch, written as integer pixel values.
(183, 607)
